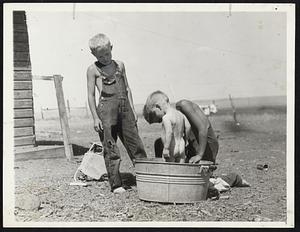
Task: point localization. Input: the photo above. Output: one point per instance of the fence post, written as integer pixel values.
(69, 110)
(42, 113)
(233, 111)
(63, 116)
(86, 110)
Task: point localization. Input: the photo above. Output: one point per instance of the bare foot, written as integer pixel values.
(119, 190)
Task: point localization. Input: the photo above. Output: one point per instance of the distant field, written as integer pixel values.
(253, 104)
(243, 105)
(273, 101)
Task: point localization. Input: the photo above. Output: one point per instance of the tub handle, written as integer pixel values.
(204, 169)
(212, 167)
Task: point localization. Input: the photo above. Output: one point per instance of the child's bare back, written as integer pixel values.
(175, 129)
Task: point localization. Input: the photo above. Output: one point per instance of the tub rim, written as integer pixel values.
(151, 161)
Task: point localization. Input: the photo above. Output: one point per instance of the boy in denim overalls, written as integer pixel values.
(115, 115)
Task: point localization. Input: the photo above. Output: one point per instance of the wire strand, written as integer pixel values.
(134, 27)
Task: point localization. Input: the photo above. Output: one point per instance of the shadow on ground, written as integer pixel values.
(77, 149)
(128, 178)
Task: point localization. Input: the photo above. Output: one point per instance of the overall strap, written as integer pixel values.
(120, 66)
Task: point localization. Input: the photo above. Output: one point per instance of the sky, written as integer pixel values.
(187, 54)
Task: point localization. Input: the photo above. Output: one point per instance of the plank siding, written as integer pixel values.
(22, 75)
(22, 63)
(21, 36)
(22, 56)
(23, 122)
(22, 69)
(21, 94)
(22, 85)
(23, 103)
(23, 131)
(19, 27)
(19, 17)
(23, 113)
(20, 47)
(23, 99)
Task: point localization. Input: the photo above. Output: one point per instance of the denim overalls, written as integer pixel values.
(118, 120)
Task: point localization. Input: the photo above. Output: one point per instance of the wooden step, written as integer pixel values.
(39, 152)
(24, 140)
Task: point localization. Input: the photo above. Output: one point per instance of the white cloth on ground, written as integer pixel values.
(219, 184)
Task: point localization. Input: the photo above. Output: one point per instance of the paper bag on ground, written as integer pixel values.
(92, 164)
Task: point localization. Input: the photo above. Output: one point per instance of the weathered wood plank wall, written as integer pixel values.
(24, 131)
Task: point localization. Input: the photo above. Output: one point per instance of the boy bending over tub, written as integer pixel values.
(175, 126)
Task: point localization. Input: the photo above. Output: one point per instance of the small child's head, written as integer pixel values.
(101, 48)
(155, 107)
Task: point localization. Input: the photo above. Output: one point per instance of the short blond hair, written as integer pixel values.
(99, 40)
(156, 98)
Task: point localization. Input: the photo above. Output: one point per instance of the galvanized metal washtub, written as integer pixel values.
(172, 182)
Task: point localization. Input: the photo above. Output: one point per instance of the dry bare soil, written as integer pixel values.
(261, 139)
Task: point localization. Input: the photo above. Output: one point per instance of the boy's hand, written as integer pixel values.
(98, 125)
(195, 159)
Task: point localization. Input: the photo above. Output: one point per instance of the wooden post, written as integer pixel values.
(69, 111)
(233, 111)
(42, 113)
(63, 116)
(86, 110)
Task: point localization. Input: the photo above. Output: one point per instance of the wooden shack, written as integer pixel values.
(25, 143)
(24, 134)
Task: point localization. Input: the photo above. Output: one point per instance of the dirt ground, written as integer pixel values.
(260, 139)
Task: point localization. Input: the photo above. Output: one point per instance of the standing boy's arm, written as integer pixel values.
(167, 127)
(201, 148)
(129, 93)
(91, 80)
(202, 124)
(187, 127)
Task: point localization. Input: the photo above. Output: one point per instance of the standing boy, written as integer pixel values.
(115, 116)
